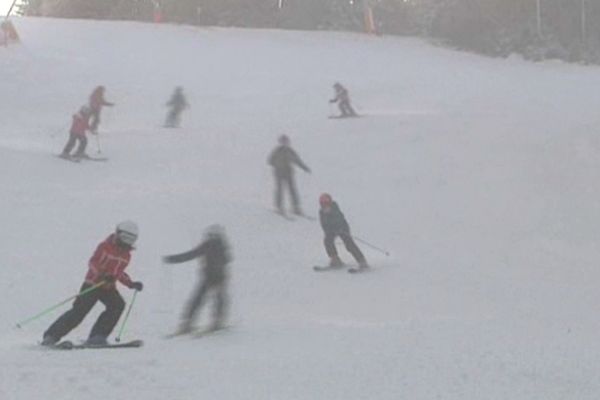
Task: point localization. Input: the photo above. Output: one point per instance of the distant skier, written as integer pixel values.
(97, 101)
(215, 255)
(334, 225)
(343, 99)
(106, 266)
(283, 159)
(177, 104)
(79, 126)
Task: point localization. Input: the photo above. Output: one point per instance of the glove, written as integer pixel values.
(139, 286)
(167, 260)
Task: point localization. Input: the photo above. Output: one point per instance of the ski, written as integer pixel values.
(89, 158)
(68, 345)
(284, 215)
(121, 345)
(209, 331)
(68, 158)
(344, 116)
(323, 268)
(64, 345)
(182, 333)
(358, 270)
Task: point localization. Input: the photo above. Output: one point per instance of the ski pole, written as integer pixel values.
(118, 338)
(54, 307)
(387, 253)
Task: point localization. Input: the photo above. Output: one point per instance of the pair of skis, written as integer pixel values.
(69, 345)
(197, 332)
(294, 216)
(351, 270)
(79, 159)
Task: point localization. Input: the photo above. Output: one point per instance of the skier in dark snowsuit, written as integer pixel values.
(79, 126)
(343, 100)
(106, 266)
(283, 159)
(97, 101)
(214, 251)
(334, 225)
(177, 104)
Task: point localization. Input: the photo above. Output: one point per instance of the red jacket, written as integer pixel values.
(80, 125)
(109, 260)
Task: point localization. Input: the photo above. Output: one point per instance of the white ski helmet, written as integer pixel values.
(127, 232)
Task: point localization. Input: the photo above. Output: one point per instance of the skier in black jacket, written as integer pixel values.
(343, 100)
(283, 159)
(334, 224)
(215, 253)
(177, 104)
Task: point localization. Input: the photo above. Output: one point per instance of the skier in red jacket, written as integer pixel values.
(106, 266)
(79, 126)
(97, 101)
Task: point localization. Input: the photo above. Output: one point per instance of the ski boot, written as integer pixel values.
(96, 341)
(81, 156)
(49, 341)
(298, 211)
(336, 262)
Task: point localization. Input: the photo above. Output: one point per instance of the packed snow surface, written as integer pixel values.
(479, 175)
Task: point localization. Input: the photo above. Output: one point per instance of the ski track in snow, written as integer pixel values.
(477, 174)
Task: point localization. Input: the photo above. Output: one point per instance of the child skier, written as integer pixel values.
(214, 252)
(97, 101)
(79, 126)
(343, 100)
(177, 104)
(282, 159)
(106, 266)
(334, 224)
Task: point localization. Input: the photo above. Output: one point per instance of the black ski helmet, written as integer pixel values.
(284, 140)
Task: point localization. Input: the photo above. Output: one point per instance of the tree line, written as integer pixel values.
(536, 29)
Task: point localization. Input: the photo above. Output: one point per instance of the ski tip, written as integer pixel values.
(358, 270)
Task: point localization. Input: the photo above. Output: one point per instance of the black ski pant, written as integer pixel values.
(348, 242)
(346, 109)
(220, 305)
(173, 118)
(74, 138)
(82, 305)
(282, 181)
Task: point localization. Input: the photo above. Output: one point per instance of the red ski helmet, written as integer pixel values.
(325, 200)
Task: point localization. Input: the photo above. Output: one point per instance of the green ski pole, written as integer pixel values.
(118, 338)
(54, 307)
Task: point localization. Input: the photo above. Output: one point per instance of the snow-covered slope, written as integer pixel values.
(479, 175)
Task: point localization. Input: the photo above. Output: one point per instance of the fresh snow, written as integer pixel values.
(479, 176)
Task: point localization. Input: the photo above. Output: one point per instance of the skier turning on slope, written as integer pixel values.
(343, 100)
(106, 266)
(334, 225)
(97, 101)
(214, 251)
(79, 126)
(283, 159)
(177, 104)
